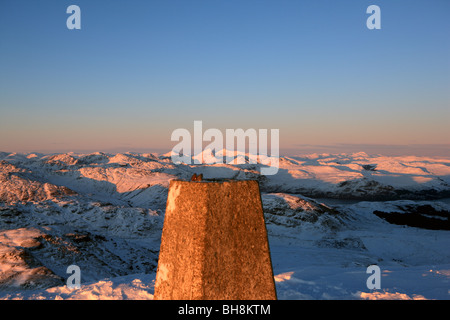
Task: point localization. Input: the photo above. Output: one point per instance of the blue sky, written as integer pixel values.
(137, 70)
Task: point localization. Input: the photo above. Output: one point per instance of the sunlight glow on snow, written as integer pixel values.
(283, 276)
(442, 272)
(389, 296)
(420, 179)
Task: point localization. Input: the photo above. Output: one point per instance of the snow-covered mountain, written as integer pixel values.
(125, 176)
(324, 215)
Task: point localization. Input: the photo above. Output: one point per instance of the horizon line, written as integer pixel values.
(428, 150)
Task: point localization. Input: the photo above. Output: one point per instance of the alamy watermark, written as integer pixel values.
(374, 20)
(190, 149)
(74, 20)
(373, 281)
(74, 281)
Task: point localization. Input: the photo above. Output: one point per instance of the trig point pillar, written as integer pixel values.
(214, 243)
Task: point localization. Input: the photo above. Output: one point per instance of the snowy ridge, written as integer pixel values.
(355, 176)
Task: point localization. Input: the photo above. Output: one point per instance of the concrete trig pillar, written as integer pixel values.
(214, 243)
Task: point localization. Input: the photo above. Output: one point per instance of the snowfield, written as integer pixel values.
(328, 216)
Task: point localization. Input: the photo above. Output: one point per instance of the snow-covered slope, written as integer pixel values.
(104, 213)
(363, 177)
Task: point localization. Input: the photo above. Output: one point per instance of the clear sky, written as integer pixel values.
(137, 70)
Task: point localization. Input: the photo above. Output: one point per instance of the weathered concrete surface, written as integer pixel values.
(214, 243)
